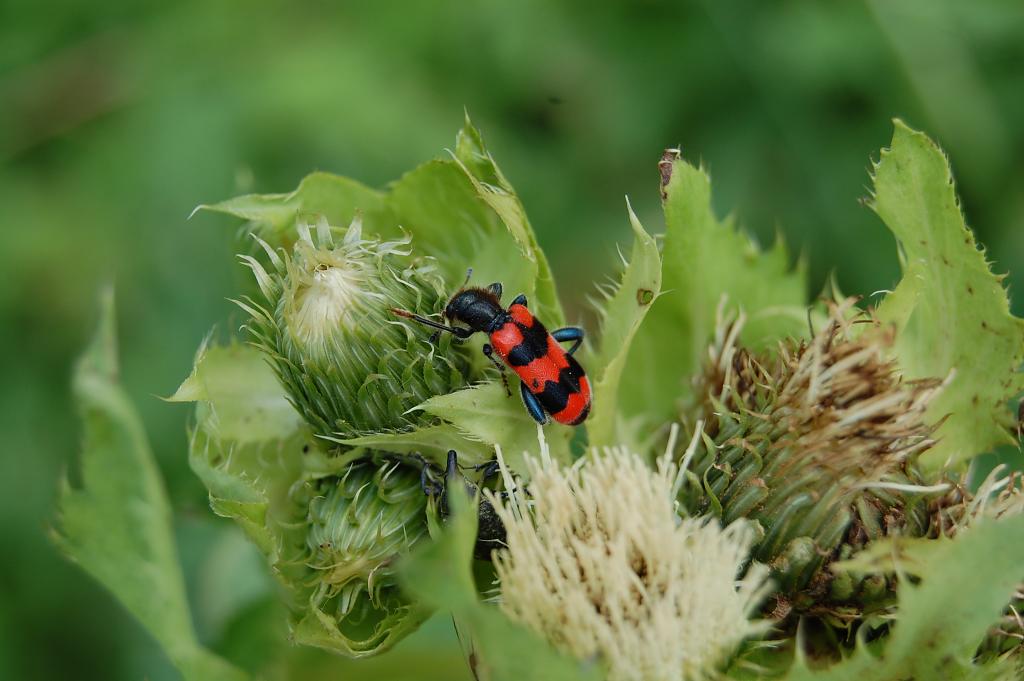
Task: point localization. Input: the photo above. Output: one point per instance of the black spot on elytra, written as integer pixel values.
(570, 377)
(554, 397)
(521, 355)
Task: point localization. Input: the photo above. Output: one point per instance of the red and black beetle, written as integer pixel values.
(553, 382)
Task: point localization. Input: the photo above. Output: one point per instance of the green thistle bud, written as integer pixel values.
(348, 365)
(357, 524)
(817, 443)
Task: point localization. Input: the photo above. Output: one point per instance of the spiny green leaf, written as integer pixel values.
(246, 401)
(117, 525)
(966, 584)
(243, 478)
(497, 192)
(705, 260)
(439, 205)
(244, 462)
(440, 575)
(432, 442)
(621, 315)
(488, 414)
(951, 311)
(337, 198)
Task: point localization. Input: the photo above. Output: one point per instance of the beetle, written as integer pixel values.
(552, 381)
(434, 482)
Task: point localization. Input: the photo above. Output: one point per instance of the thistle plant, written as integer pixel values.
(767, 486)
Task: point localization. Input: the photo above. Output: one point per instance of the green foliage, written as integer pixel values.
(273, 216)
(117, 524)
(965, 585)
(173, 105)
(432, 441)
(231, 450)
(439, 205)
(246, 401)
(705, 261)
(487, 414)
(496, 191)
(821, 453)
(951, 311)
(621, 316)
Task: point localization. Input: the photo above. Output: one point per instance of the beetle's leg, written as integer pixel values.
(495, 288)
(569, 333)
(487, 469)
(489, 353)
(533, 405)
(520, 300)
(431, 487)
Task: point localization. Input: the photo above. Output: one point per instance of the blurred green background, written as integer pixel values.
(117, 118)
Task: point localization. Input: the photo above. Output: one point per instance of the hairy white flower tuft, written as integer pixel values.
(326, 291)
(600, 564)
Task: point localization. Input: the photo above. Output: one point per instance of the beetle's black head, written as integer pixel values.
(477, 308)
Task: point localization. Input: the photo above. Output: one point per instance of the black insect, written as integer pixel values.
(490, 533)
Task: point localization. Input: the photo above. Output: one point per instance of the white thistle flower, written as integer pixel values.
(600, 564)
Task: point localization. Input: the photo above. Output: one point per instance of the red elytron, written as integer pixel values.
(552, 381)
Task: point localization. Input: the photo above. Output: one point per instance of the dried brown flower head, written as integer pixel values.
(813, 440)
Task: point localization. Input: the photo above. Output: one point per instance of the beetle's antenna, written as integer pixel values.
(469, 273)
(456, 331)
